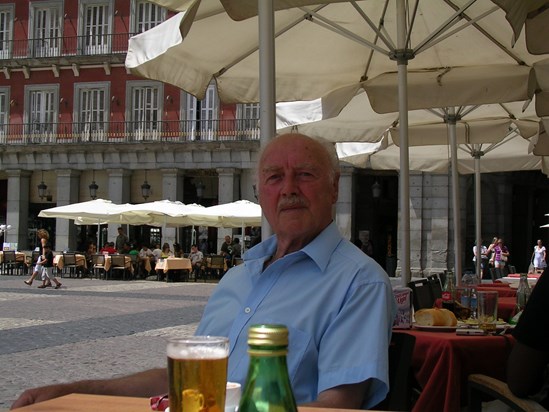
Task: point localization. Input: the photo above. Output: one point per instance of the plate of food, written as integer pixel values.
(435, 320)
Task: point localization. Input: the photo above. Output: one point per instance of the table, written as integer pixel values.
(442, 361)
(19, 256)
(503, 289)
(93, 403)
(507, 307)
(58, 261)
(173, 263)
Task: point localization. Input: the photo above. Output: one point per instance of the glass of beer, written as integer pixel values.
(197, 373)
(487, 310)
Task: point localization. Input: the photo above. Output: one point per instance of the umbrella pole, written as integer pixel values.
(478, 216)
(404, 176)
(267, 83)
(451, 122)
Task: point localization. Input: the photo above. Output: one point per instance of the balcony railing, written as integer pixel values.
(87, 45)
(130, 132)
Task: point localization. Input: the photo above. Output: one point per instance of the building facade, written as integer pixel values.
(75, 125)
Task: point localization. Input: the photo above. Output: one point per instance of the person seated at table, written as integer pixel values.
(237, 248)
(166, 251)
(196, 258)
(177, 251)
(528, 363)
(144, 254)
(335, 300)
(108, 249)
(227, 251)
(90, 251)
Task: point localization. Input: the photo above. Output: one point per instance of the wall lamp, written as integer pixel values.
(145, 188)
(42, 188)
(93, 187)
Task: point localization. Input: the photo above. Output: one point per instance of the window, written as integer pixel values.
(46, 23)
(146, 15)
(4, 113)
(248, 120)
(6, 30)
(91, 111)
(41, 107)
(201, 116)
(145, 111)
(95, 26)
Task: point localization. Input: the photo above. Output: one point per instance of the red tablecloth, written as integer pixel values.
(442, 361)
(503, 289)
(506, 307)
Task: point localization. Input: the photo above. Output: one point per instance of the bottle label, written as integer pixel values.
(446, 295)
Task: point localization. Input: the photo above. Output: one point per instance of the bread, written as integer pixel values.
(435, 317)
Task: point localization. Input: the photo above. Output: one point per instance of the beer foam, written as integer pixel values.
(197, 352)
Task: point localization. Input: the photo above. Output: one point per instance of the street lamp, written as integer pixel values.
(145, 188)
(93, 187)
(42, 188)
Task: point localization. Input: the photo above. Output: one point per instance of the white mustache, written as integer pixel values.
(291, 201)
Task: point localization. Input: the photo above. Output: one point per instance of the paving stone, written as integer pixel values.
(89, 329)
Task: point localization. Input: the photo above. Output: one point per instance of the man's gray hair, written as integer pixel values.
(329, 147)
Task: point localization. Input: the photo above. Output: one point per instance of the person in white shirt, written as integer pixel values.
(196, 257)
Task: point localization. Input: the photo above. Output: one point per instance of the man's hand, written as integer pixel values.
(44, 393)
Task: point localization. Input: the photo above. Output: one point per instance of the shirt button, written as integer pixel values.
(247, 310)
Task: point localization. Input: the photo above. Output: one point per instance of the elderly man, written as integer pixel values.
(336, 302)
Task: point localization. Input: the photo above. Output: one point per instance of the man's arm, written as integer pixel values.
(143, 384)
(344, 396)
(525, 368)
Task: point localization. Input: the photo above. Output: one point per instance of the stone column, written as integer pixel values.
(119, 192)
(344, 205)
(68, 184)
(227, 192)
(172, 189)
(17, 213)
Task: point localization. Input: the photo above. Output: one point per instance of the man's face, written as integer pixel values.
(227, 239)
(193, 249)
(296, 191)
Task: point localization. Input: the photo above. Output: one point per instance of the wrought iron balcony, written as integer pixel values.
(129, 132)
(52, 47)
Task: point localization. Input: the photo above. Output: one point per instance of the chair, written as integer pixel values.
(422, 296)
(512, 269)
(10, 263)
(69, 264)
(98, 266)
(118, 264)
(435, 286)
(215, 267)
(400, 396)
(134, 263)
(237, 261)
(481, 387)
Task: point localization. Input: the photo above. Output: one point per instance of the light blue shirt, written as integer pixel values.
(336, 301)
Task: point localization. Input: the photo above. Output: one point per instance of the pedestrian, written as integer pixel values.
(483, 258)
(501, 254)
(43, 237)
(538, 257)
(47, 269)
(335, 300)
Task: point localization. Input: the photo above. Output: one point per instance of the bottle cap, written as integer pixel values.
(268, 335)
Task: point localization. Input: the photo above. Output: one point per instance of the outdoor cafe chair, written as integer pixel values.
(69, 264)
(483, 388)
(10, 265)
(98, 266)
(215, 267)
(118, 264)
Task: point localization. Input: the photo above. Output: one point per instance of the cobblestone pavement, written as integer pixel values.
(89, 328)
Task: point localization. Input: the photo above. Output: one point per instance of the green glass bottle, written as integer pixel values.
(268, 387)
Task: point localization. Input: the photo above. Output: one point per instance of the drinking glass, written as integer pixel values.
(487, 310)
(197, 373)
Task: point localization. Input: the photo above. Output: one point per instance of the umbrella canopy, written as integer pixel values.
(325, 47)
(241, 213)
(165, 213)
(96, 211)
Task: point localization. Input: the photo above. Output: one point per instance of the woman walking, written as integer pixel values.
(539, 256)
(44, 236)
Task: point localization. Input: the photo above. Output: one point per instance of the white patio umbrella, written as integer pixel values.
(95, 212)
(165, 213)
(320, 49)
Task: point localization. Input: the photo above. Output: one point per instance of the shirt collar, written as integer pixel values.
(319, 249)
